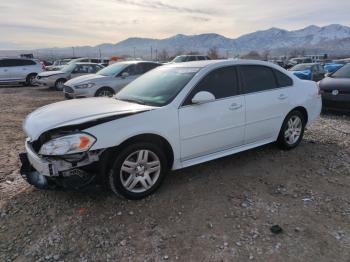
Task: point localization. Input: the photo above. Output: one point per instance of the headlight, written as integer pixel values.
(70, 144)
(82, 86)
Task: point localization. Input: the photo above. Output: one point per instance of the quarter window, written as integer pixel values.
(257, 78)
(221, 83)
(282, 79)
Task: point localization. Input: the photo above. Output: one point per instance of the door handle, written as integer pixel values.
(282, 97)
(235, 106)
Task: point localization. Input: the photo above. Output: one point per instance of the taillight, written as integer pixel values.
(318, 88)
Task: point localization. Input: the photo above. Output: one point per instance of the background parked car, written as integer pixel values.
(57, 65)
(19, 70)
(189, 58)
(57, 79)
(310, 71)
(335, 90)
(332, 67)
(108, 81)
(104, 62)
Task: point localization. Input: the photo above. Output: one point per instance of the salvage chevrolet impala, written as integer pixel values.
(172, 117)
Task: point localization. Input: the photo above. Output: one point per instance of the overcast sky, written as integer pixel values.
(49, 23)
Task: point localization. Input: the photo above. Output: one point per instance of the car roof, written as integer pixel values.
(223, 62)
(84, 63)
(136, 62)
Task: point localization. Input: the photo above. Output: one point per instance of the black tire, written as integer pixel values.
(116, 174)
(105, 92)
(59, 84)
(30, 80)
(282, 141)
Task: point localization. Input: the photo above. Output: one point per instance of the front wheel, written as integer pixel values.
(59, 84)
(138, 170)
(292, 130)
(105, 91)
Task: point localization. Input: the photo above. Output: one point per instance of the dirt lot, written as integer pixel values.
(218, 211)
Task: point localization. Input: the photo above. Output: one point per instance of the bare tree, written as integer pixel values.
(163, 55)
(213, 53)
(193, 53)
(266, 55)
(252, 55)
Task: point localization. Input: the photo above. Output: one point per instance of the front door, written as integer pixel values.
(214, 126)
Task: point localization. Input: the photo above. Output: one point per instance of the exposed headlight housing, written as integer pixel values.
(82, 86)
(66, 145)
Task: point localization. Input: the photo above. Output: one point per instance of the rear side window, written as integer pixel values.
(148, 66)
(221, 83)
(257, 78)
(282, 79)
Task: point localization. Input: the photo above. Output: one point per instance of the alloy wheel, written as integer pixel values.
(293, 130)
(140, 171)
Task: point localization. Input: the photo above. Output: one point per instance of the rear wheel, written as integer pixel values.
(292, 130)
(105, 91)
(30, 80)
(59, 84)
(138, 170)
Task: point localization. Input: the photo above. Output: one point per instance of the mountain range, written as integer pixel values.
(332, 39)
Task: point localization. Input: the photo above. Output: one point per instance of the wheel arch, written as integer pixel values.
(146, 137)
(303, 111)
(102, 87)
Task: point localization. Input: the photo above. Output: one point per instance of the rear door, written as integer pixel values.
(214, 126)
(267, 92)
(22, 68)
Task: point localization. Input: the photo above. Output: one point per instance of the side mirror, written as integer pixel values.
(203, 97)
(125, 75)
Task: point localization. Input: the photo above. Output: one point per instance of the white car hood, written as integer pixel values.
(90, 78)
(50, 73)
(74, 112)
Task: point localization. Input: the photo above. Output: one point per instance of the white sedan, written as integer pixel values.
(173, 117)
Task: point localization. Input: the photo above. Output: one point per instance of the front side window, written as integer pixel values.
(221, 83)
(257, 78)
(157, 87)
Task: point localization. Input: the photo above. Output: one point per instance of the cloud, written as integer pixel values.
(45, 23)
(163, 6)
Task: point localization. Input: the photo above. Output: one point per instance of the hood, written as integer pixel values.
(50, 73)
(341, 84)
(77, 111)
(90, 78)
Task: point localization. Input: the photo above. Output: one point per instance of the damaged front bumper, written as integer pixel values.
(45, 173)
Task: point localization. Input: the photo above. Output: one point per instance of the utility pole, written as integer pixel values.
(151, 53)
(134, 53)
(156, 54)
(99, 50)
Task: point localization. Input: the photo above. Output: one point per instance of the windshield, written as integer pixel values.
(300, 67)
(68, 68)
(343, 72)
(180, 59)
(112, 70)
(158, 87)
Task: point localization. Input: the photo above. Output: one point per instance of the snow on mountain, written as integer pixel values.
(332, 39)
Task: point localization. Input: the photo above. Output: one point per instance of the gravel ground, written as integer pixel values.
(218, 211)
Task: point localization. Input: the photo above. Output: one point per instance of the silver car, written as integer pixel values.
(19, 70)
(57, 79)
(108, 81)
